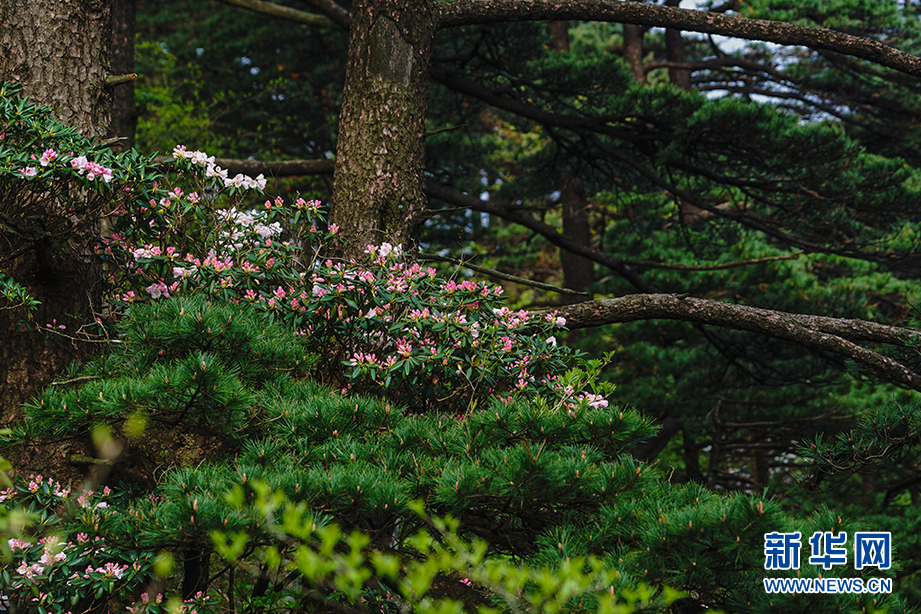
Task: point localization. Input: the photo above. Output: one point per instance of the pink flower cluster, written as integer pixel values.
(92, 169)
(48, 571)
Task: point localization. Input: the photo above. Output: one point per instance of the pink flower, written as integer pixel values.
(48, 157)
(29, 171)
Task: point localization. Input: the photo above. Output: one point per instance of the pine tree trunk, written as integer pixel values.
(58, 51)
(379, 187)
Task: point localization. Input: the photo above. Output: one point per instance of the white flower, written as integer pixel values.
(79, 163)
(561, 321)
(249, 183)
(142, 253)
(181, 272)
(216, 171)
(386, 249)
(236, 182)
(551, 341)
(48, 157)
(267, 231)
(594, 400)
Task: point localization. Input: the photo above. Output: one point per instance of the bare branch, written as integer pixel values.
(741, 317)
(651, 264)
(112, 80)
(467, 12)
(505, 276)
(284, 12)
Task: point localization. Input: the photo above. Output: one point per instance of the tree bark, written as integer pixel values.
(559, 31)
(379, 187)
(578, 271)
(58, 50)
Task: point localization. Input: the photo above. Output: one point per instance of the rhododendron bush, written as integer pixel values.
(69, 566)
(385, 325)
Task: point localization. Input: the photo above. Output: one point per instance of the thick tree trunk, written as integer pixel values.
(379, 187)
(633, 49)
(58, 50)
(559, 30)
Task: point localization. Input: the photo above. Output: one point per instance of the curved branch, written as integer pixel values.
(834, 335)
(333, 10)
(284, 12)
(468, 12)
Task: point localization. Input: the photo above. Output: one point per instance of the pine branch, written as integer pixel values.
(708, 267)
(468, 12)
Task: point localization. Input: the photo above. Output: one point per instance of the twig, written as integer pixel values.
(506, 276)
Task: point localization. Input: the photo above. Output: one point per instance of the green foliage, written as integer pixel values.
(342, 566)
(206, 398)
(15, 295)
(545, 483)
(870, 16)
(186, 365)
(163, 113)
